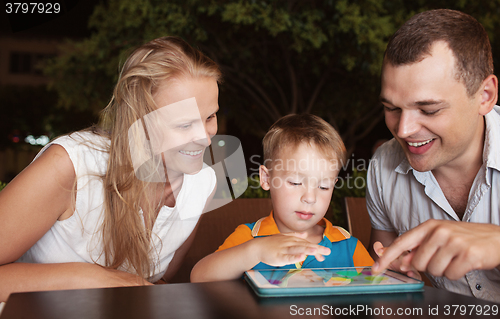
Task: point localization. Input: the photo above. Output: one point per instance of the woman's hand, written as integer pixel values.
(95, 276)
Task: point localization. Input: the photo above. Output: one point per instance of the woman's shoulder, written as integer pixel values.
(84, 140)
(87, 151)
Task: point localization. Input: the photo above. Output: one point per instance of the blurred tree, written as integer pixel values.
(277, 56)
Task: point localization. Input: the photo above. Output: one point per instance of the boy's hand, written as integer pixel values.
(400, 264)
(283, 249)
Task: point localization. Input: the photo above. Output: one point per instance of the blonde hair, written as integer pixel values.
(294, 129)
(125, 241)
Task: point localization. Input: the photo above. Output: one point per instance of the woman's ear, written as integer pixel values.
(265, 178)
(489, 94)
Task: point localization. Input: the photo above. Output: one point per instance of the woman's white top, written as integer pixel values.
(79, 237)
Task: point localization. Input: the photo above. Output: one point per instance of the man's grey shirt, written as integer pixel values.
(400, 198)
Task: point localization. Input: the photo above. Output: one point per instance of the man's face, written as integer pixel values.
(429, 112)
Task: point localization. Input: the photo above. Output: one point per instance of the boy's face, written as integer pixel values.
(301, 182)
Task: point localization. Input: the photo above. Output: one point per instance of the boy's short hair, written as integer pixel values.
(294, 129)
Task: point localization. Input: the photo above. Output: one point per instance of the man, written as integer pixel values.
(437, 183)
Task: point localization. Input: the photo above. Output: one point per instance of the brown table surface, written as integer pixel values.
(234, 299)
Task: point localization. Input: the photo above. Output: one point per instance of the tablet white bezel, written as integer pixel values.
(263, 288)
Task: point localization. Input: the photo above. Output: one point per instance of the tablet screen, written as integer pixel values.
(360, 279)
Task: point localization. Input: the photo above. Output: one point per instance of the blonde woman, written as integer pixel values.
(117, 204)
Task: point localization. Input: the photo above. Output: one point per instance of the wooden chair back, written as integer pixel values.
(217, 225)
(358, 220)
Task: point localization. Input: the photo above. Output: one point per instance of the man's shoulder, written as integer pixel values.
(493, 123)
(388, 156)
(496, 108)
(491, 151)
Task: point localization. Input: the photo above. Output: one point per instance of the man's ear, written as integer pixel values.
(265, 178)
(489, 94)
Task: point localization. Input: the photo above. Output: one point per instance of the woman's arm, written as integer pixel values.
(33, 201)
(22, 277)
(29, 206)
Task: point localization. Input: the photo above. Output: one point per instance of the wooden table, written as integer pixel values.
(234, 299)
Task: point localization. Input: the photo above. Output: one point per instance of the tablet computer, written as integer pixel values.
(328, 281)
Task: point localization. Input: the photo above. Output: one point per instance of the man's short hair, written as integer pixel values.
(466, 38)
(294, 129)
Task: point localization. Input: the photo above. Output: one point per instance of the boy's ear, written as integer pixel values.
(335, 183)
(265, 178)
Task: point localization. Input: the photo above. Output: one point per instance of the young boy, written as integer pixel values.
(303, 155)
